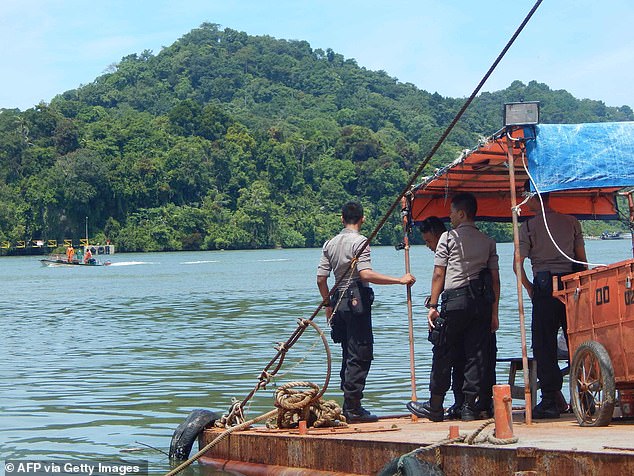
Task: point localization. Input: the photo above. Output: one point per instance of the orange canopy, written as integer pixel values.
(484, 171)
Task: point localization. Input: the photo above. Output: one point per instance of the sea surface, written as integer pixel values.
(105, 362)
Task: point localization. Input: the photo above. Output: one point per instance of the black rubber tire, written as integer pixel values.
(412, 466)
(187, 432)
(592, 386)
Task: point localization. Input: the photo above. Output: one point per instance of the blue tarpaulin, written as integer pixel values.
(576, 156)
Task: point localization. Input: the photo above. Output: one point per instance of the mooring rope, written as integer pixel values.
(235, 415)
(265, 376)
(289, 402)
(218, 439)
(470, 439)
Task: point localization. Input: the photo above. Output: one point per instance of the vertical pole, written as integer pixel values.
(517, 263)
(86, 231)
(410, 318)
(630, 203)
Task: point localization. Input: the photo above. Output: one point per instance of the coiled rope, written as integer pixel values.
(295, 405)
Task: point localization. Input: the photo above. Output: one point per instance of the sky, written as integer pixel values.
(583, 46)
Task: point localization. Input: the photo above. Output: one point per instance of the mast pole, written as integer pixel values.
(86, 231)
(410, 319)
(517, 264)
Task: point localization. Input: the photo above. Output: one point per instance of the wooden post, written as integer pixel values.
(410, 317)
(630, 203)
(517, 264)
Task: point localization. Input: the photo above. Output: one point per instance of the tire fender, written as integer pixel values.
(187, 432)
(412, 466)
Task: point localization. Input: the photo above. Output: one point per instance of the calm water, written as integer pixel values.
(96, 361)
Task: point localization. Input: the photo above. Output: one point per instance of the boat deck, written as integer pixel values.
(558, 447)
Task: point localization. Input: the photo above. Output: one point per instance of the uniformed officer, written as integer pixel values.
(351, 322)
(549, 314)
(466, 274)
(431, 229)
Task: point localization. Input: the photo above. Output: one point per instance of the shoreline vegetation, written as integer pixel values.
(229, 141)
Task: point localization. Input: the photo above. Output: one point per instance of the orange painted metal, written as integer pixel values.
(600, 307)
(257, 469)
(503, 411)
(626, 402)
(552, 447)
(303, 429)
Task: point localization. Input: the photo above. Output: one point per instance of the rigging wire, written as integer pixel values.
(283, 348)
(442, 138)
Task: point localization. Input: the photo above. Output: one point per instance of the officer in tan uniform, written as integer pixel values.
(549, 314)
(466, 275)
(349, 310)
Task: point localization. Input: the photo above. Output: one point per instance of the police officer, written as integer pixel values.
(466, 274)
(431, 229)
(351, 323)
(549, 314)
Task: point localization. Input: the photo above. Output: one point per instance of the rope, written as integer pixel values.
(294, 405)
(433, 150)
(473, 438)
(218, 439)
(235, 415)
(289, 402)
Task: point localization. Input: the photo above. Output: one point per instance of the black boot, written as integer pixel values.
(431, 409)
(469, 411)
(547, 408)
(454, 411)
(355, 413)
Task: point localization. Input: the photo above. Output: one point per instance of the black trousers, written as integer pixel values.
(549, 314)
(467, 344)
(489, 379)
(355, 333)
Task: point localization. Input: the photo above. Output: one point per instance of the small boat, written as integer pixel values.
(59, 261)
(611, 235)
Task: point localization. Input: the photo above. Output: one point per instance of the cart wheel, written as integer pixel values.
(592, 390)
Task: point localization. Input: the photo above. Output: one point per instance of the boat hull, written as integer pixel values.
(550, 447)
(62, 263)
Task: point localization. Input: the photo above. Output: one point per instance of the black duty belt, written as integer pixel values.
(448, 294)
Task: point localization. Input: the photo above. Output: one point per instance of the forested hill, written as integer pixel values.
(225, 140)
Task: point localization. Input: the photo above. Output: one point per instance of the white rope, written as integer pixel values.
(541, 201)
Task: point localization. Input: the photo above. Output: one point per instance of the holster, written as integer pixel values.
(437, 334)
(357, 299)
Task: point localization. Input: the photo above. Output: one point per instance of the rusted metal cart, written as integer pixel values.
(600, 309)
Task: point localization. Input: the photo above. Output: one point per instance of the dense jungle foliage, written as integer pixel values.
(225, 140)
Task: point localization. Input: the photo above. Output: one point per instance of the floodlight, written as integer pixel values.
(521, 113)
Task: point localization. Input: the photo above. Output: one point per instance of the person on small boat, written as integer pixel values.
(549, 314)
(349, 311)
(88, 259)
(466, 276)
(70, 253)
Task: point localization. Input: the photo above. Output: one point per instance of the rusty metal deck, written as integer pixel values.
(559, 447)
